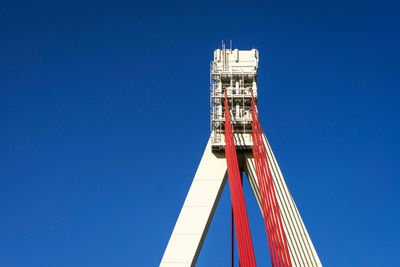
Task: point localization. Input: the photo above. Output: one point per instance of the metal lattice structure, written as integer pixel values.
(233, 72)
(237, 143)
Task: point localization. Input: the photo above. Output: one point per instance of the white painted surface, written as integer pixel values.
(301, 249)
(202, 199)
(198, 209)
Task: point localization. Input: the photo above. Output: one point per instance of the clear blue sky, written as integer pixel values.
(104, 118)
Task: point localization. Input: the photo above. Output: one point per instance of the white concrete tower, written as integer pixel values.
(234, 71)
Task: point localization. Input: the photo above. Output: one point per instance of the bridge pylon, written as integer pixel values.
(238, 143)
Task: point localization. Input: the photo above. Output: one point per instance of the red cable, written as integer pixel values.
(233, 187)
(232, 180)
(277, 216)
(245, 245)
(265, 186)
(271, 249)
(232, 240)
(241, 232)
(265, 201)
(265, 198)
(273, 204)
(282, 233)
(230, 147)
(282, 238)
(261, 157)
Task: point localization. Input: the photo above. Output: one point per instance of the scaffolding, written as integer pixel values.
(233, 71)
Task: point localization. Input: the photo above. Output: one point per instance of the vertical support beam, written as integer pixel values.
(301, 249)
(197, 212)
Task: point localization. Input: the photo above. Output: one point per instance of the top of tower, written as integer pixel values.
(236, 60)
(233, 73)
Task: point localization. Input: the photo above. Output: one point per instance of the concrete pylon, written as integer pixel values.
(195, 217)
(191, 228)
(234, 94)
